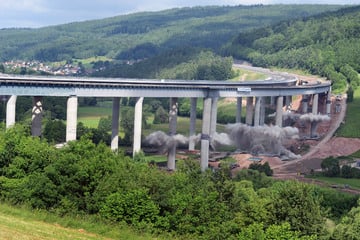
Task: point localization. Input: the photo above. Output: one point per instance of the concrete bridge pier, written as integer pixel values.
(249, 110)
(11, 111)
(137, 125)
(262, 111)
(258, 101)
(272, 101)
(71, 118)
(172, 132)
(315, 104)
(213, 122)
(238, 109)
(205, 134)
(304, 104)
(279, 111)
(36, 118)
(115, 124)
(328, 104)
(192, 130)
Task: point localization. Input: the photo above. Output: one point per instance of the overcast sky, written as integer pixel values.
(39, 13)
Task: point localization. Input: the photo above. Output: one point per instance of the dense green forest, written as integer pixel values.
(88, 179)
(142, 35)
(327, 44)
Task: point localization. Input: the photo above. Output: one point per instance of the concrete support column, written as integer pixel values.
(172, 132)
(11, 111)
(192, 129)
(328, 103)
(137, 125)
(238, 109)
(279, 111)
(272, 101)
(205, 134)
(115, 124)
(257, 111)
(36, 118)
(71, 118)
(315, 104)
(213, 116)
(305, 104)
(262, 111)
(249, 110)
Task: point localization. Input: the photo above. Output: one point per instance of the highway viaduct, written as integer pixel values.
(279, 88)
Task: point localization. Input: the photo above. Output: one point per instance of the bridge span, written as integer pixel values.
(274, 90)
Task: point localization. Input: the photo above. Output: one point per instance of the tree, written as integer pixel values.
(349, 227)
(289, 199)
(265, 168)
(2, 68)
(55, 131)
(134, 207)
(331, 167)
(105, 124)
(346, 171)
(161, 116)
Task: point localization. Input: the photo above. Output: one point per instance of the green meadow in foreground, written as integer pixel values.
(21, 223)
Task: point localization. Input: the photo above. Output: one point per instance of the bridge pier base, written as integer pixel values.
(192, 130)
(137, 125)
(205, 134)
(36, 118)
(71, 118)
(115, 124)
(171, 157)
(11, 111)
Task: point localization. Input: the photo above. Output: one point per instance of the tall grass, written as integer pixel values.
(22, 223)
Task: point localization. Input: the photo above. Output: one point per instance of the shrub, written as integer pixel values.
(134, 207)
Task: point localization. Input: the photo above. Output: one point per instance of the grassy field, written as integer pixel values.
(90, 116)
(351, 128)
(21, 223)
(339, 182)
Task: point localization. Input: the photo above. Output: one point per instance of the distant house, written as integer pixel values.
(356, 164)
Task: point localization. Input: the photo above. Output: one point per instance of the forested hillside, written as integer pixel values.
(327, 44)
(142, 35)
(182, 63)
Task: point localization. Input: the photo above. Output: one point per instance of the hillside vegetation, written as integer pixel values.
(327, 44)
(142, 35)
(84, 179)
